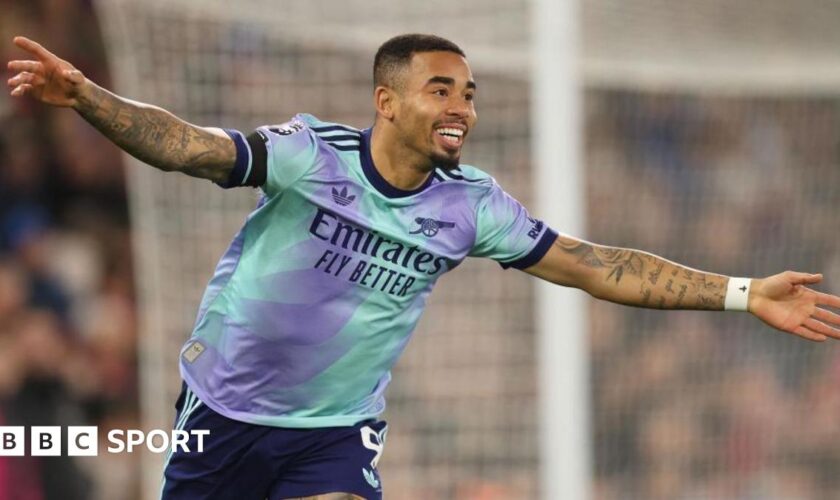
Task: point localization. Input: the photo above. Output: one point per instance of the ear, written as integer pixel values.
(385, 100)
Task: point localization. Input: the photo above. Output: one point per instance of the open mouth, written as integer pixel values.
(451, 137)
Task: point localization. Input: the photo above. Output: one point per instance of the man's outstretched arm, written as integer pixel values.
(150, 134)
(637, 278)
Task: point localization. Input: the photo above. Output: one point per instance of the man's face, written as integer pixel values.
(434, 109)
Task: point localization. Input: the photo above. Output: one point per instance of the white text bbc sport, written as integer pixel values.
(83, 441)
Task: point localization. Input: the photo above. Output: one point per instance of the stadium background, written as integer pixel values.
(711, 136)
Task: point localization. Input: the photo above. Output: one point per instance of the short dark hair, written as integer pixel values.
(395, 54)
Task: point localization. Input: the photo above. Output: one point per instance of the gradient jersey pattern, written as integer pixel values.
(320, 290)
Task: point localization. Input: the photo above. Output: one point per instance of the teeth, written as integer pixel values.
(450, 131)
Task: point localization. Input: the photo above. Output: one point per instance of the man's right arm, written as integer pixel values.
(149, 133)
(156, 136)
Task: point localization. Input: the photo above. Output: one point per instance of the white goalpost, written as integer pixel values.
(556, 90)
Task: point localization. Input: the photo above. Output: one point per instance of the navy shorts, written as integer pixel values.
(244, 461)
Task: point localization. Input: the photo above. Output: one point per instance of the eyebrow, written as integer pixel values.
(449, 81)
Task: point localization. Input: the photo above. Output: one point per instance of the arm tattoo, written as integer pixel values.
(618, 261)
(157, 137)
(653, 277)
(681, 296)
(646, 296)
(620, 277)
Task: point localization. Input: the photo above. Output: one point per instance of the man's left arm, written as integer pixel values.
(636, 278)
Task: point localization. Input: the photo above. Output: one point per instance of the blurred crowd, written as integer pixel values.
(691, 405)
(67, 317)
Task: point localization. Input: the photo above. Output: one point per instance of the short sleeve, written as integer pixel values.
(272, 157)
(507, 234)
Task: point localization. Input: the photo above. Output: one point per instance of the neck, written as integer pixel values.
(402, 167)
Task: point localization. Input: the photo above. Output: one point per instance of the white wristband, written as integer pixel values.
(737, 294)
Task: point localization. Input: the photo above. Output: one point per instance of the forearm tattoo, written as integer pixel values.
(156, 136)
(638, 278)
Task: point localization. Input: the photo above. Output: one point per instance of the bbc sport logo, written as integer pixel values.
(83, 441)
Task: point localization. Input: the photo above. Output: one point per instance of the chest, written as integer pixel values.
(345, 212)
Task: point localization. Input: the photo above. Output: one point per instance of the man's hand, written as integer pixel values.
(784, 302)
(149, 133)
(49, 79)
(640, 279)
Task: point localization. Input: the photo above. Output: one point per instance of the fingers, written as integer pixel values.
(808, 334)
(23, 83)
(827, 316)
(821, 328)
(828, 300)
(21, 90)
(803, 278)
(30, 66)
(33, 47)
(20, 78)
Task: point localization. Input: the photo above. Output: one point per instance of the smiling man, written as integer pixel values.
(317, 295)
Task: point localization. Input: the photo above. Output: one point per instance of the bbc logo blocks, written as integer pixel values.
(83, 441)
(11, 441)
(46, 441)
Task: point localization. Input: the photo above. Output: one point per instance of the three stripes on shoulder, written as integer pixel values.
(340, 137)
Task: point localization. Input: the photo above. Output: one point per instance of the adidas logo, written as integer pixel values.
(341, 197)
(370, 477)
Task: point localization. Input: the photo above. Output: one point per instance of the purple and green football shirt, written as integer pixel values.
(319, 292)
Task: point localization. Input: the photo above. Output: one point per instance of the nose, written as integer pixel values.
(458, 106)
